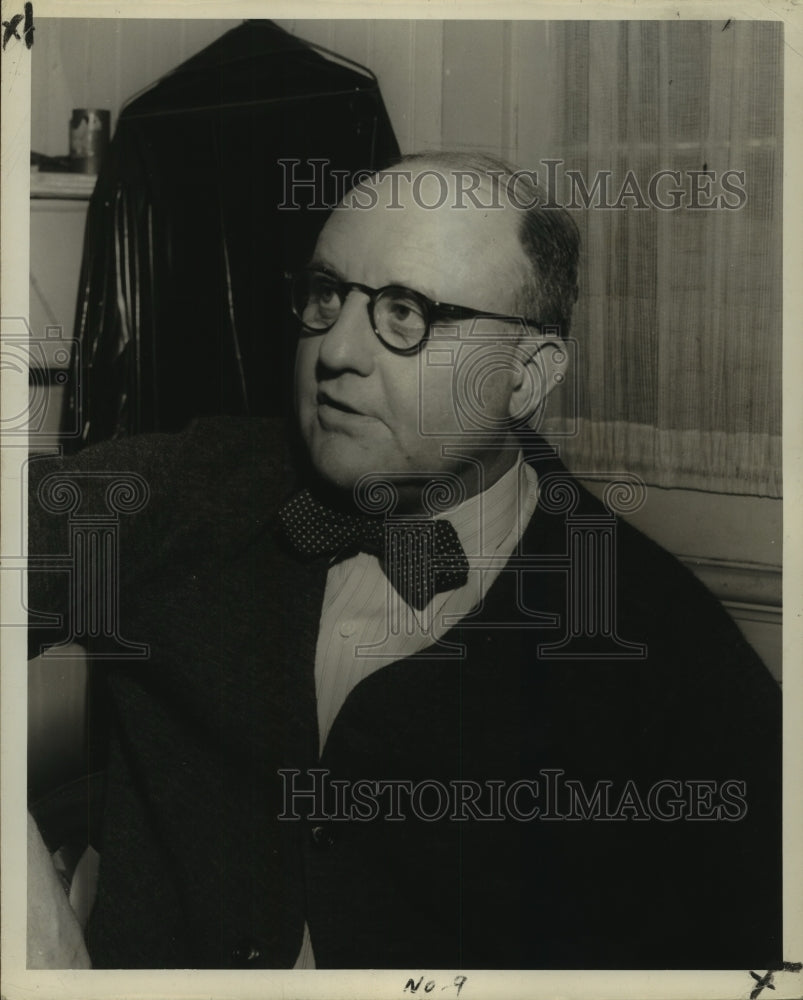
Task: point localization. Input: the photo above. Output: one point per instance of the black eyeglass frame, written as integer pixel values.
(432, 311)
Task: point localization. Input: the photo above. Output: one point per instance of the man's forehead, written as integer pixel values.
(406, 227)
(432, 189)
(429, 207)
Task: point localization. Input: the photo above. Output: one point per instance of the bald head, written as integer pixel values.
(404, 227)
(441, 182)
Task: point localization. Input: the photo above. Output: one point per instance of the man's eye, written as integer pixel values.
(400, 311)
(326, 297)
(405, 311)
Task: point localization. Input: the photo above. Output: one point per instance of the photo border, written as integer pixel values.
(17, 981)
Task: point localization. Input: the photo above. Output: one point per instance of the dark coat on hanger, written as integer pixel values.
(195, 216)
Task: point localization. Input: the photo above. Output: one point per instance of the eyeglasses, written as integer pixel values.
(401, 318)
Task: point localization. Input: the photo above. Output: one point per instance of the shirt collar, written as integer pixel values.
(485, 520)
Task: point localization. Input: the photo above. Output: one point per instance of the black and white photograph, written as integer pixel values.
(397, 417)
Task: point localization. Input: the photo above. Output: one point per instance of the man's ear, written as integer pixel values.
(543, 363)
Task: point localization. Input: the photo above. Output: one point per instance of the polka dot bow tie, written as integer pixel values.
(420, 556)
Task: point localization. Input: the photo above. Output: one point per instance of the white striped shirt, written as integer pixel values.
(365, 625)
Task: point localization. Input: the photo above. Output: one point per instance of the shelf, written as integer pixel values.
(62, 185)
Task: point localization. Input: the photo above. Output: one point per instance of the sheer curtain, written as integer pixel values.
(678, 325)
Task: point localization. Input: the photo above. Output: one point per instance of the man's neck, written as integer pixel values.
(473, 472)
(474, 475)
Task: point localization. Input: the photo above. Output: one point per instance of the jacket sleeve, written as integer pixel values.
(119, 513)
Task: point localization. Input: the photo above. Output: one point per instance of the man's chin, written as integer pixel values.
(340, 465)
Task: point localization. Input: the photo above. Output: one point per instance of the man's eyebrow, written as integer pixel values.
(416, 286)
(320, 264)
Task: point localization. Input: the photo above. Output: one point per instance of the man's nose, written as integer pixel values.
(350, 345)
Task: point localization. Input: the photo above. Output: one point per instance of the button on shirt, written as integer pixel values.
(365, 624)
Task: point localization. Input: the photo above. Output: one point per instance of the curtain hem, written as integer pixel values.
(735, 463)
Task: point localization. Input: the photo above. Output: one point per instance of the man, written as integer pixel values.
(413, 698)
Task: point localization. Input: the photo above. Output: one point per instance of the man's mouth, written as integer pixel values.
(324, 399)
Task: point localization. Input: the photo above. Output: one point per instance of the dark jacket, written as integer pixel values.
(197, 870)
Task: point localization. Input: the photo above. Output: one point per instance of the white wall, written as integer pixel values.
(101, 63)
